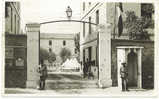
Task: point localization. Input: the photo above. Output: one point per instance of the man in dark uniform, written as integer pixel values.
(84, 69)
(124, 75)
(43, 76)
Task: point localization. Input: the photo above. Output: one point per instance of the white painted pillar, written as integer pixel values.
(139, 68)
(120, 59)
(105, 57)
(32, 54)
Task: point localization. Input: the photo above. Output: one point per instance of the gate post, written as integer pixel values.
(33, 30)
(105, 56)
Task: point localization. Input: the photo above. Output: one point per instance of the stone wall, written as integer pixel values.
(15, 75)
(147, 60)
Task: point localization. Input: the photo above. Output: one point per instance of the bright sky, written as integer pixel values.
(49, 10)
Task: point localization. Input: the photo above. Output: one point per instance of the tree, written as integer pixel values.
(52, 57)
(77, 42)
(136, 27)
(65, 54)
(77, 45)
(45, 55)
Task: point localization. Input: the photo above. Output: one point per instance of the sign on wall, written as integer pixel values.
(19, 62)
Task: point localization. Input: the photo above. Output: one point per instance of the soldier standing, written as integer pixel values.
(43, 75)
(124, 75)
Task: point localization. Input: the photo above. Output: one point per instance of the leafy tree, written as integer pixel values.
(52, 57)
(77, 45)
(136, 26)
(45, 55)
(77, 41)
(65, 54)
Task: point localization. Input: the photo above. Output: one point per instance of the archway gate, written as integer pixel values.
(104, 52)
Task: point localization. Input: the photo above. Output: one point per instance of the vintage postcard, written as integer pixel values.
(58, 48)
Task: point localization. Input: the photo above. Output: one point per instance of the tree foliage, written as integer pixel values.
(77, 45)
(65, 54)
(52, 57)
(77, 42)
(136, 26)
(45, 55)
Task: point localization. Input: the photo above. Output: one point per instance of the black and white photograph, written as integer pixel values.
(79, 48)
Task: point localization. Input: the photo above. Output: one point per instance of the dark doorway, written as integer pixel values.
(132, 69)
(90, 53)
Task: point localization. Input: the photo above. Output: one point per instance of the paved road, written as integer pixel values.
(69, 81)
(73, 84)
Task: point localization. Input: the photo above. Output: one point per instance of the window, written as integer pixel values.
(75, 51)
(89, 53)
(97, 17)
(83, 29)
(11, 19)
(64, 43)
(18, 27)
(97, 57)
(50, 42)
(50, 50)
(89, 25)
(84, 6)
(83, 56)
(7, 9)
(15, 24)
(89, 3)
(147, 13)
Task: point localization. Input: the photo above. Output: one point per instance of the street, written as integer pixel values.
(73, 84)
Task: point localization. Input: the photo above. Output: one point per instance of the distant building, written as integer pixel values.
(12, 18)
(102, 14)
(54, 42)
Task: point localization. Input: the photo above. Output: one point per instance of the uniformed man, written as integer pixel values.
(124, 76)
(43, 75)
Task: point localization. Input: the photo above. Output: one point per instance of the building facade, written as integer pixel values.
(12, 18)
(101, 14)
(54, 42)
(15, 47)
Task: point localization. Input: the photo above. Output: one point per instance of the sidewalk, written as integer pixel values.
(112, 91)
(58, 84)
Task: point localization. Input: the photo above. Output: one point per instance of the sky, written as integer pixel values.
(49, 10)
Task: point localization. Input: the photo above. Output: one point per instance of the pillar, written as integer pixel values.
(105, 57)
(121, 57)
(139, 68)
(33, 30)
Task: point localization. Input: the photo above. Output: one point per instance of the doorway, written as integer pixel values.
(132, 64)
(132, 56)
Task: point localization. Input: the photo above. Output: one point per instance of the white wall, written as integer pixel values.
(57, 45)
